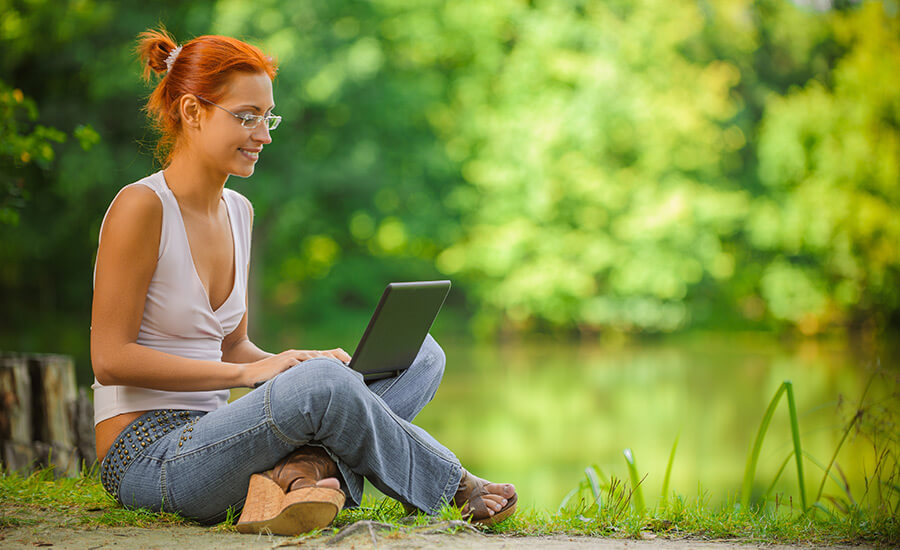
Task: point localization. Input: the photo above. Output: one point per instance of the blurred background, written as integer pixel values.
(652, 212)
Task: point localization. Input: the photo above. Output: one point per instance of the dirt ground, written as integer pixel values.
(362, 535)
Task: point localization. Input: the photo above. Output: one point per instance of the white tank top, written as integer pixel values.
(178, 317)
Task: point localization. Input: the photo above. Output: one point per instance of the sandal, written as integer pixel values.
(286, 500)
(469, 498)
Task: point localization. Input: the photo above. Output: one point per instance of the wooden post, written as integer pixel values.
(42, 419)
(83, 427)
(16, 435)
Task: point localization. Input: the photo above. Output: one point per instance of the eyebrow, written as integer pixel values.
(258, 109)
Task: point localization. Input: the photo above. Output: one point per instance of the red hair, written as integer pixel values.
(203, 67)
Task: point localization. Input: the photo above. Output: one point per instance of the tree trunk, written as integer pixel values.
(43, 420)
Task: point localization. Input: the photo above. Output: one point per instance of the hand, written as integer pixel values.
(260, 371)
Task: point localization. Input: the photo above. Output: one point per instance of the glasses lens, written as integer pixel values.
(273, 121)
(250, 121)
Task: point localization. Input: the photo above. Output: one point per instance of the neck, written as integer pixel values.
(197, 187)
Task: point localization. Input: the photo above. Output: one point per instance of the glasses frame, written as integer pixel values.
(272, 121)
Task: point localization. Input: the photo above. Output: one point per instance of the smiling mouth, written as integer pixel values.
(254, 155)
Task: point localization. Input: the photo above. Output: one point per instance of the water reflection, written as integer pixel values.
(538, 414)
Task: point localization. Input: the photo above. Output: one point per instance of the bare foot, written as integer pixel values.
(483, 501)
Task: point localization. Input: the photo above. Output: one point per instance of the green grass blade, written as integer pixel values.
(753, 458)
(637, 492)
(795, 434)
(566, 499)
(594, 481)
(840, 444)
(819, 506)
(663, 498)
(821, 466)
(778, 475)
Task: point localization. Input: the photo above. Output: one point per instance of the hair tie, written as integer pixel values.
(173, 55)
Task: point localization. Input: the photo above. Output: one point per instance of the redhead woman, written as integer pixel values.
(169, 338)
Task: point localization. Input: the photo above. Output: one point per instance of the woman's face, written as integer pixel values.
(222, 141)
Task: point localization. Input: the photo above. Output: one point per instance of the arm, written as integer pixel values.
(237, 347)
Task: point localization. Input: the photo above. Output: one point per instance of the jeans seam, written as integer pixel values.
(270, 419)
(428, 447)
(164, 489)
(447, 488)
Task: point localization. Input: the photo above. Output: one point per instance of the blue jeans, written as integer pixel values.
(365, 428)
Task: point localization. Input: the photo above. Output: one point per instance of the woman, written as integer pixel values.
(169, 338)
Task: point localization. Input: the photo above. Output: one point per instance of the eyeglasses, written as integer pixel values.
(249, 121)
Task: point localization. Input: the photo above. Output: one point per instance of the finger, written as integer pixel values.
(342, 355)
(336, 354)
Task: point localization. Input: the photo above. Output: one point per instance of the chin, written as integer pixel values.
(243, 171)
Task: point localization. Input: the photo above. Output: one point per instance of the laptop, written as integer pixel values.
(398, 328)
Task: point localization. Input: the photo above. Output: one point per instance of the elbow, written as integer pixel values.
(102, 371)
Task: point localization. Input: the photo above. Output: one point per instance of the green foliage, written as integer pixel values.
(829, 161)
(20, 148)
(571, 165)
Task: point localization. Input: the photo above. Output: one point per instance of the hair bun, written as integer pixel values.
(153, 49)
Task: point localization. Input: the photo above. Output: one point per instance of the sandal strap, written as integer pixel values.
(472, 490)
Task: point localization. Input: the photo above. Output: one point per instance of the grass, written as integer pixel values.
(39, 499)
(599, 505)
(76, 501)
(606, 505)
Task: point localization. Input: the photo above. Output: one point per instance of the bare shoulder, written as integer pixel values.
(138, 200)
(135, 206)
(134, 221)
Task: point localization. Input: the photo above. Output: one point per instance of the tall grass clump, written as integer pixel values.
(833, 512)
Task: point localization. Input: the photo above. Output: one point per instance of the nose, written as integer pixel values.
(262, 134)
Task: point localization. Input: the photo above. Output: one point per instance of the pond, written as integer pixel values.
(537, 414)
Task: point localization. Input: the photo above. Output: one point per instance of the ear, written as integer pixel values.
(190, 110)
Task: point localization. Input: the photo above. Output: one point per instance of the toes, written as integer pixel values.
(329, 482)
(505, 490)
(494, 503)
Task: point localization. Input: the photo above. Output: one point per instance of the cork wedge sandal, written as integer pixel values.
(269, 509)
(286, 500)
